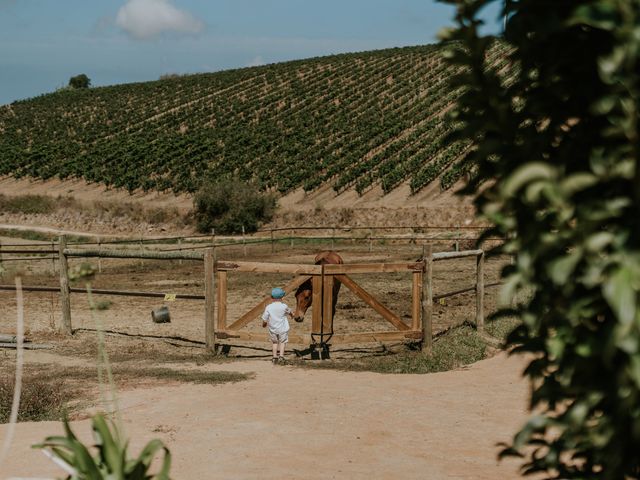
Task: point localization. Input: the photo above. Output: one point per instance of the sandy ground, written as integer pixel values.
(298, 423)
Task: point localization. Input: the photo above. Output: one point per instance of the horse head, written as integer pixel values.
(304, 294)
(303, 300)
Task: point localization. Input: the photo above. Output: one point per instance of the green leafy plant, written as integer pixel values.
(228, 206)
(557, 151)
(110, 460)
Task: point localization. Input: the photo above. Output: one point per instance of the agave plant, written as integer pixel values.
(110, 460)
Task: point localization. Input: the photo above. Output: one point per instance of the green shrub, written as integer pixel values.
(229, 205)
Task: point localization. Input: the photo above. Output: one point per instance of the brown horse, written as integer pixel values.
(304, 294)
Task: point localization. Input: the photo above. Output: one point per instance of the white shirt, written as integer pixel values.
(276, 317)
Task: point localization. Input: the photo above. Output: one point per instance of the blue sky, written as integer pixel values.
(45, 42)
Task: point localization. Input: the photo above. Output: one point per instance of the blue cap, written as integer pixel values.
(277, 292)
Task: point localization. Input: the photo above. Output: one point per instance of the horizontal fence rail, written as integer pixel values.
(451, 255)
(26, 259)
(97, 291)
(453, 293)
(134, 254)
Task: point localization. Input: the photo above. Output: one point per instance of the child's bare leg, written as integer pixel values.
(275, 349)
(282, 349)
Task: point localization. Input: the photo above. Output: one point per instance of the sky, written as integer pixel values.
(43, 43)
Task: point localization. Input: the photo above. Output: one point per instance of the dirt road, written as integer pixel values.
(299, 423)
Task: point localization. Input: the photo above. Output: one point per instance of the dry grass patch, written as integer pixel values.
(454, 348)
(50, 391)
(42, 398)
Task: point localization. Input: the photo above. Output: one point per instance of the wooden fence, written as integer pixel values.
(322, 278)
(418, 235)
(219, 331)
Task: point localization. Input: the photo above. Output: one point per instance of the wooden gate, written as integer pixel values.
(322, 278)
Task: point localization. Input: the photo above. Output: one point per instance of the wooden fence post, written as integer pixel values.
(244, 243)
(416, 298)
(273, 246)
(317, 304)
(209, 294)
(427, 299)
(480, 292)
(327, 304)
(180, 249)
(65, 300)
(221, 296)
(99, 259)
(292, 238)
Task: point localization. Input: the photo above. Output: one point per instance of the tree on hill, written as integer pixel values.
(80, 81)
(563, 140)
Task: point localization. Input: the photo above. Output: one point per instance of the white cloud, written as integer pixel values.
(145, 19)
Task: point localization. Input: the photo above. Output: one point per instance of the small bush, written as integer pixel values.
(102, 305)
(30, 204)
(40, 400)
(229, 205)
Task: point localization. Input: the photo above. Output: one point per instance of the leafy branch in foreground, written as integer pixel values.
(558, 156)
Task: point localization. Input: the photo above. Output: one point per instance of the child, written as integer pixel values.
(275, 315)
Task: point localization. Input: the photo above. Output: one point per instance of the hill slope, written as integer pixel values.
(355, 120)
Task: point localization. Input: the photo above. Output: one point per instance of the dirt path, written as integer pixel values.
(300, 423)
(57, 231)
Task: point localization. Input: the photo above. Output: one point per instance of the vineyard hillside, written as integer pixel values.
(357, 122)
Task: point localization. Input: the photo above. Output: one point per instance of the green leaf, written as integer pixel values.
(84, 462)
(578, 182)
(111, 451)
(600, 15)
(562, 268)
(146, 456)
(634, 369)
(620, 294)
(556, 347)
(509, 289)
(598, 241)
(526, 174)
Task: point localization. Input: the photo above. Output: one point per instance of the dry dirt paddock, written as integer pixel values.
(132, 315)
(284, 422)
